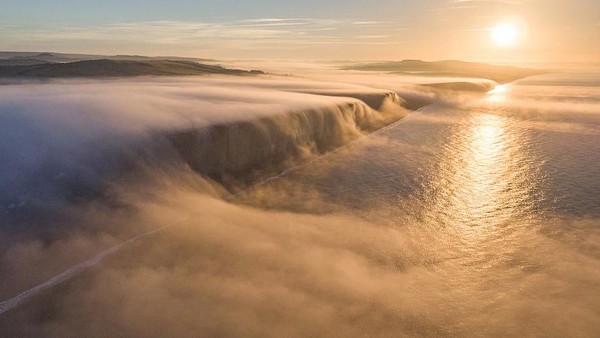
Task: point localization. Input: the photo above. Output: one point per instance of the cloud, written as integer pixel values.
(509, 2)
(266, 32)
(476, 4)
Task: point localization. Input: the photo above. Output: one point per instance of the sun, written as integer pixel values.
(505, 35)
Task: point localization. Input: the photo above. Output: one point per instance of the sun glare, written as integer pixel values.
(505, 35)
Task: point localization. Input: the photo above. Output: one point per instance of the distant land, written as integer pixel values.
(114, 68)
(64, 57)
(60, 65)
(453, 68)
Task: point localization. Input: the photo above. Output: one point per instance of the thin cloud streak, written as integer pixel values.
(259, 31)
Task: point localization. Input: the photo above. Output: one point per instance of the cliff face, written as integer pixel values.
(241, 151)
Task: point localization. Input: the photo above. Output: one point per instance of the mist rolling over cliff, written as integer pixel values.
(337, 203)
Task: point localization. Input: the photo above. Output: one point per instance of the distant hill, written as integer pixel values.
(22, 62)
(117, 68)
(462, 86)
(449, 68)
(64, 57)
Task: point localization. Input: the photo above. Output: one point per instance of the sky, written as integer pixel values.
(548, 30)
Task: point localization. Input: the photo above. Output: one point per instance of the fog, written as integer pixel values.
(75, 153)
(68, 139)
(228, 270)
(88, 165)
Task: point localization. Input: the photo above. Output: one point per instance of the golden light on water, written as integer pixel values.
(498, 95)
(486, 159)
(486, 185)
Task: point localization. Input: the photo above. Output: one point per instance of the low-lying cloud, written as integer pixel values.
(221, 269)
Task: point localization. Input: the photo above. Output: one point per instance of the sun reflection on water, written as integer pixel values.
(487, 160)
(498, 95)
(485, 187)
